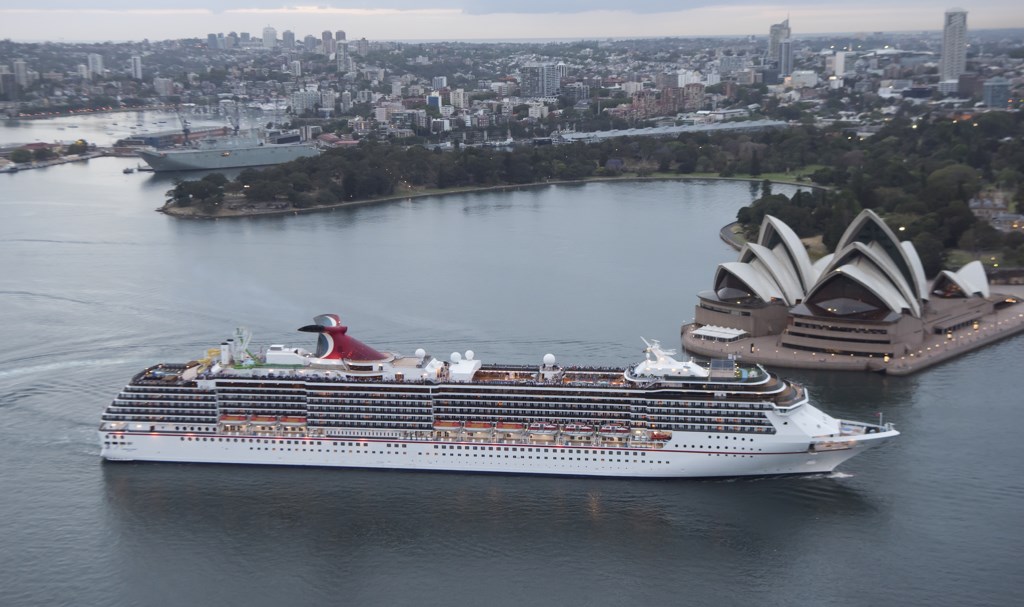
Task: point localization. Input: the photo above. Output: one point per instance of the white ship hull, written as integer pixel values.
(227, 158)
(716, 458)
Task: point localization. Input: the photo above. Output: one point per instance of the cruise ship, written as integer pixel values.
(238, 151)
(349, 405)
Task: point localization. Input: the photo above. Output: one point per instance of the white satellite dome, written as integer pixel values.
(456, 357)
(420, 353)
(469, 355)
(549, 359)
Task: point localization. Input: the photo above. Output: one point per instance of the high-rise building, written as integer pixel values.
(211, 41)
(539, 80)
(339, 36)
(288, 40)
(341, 57)
(458, 98)
(20, 73)
(136, 67)
(245, 37)
(309, 43)
(776, 34)
(95, 65)
(954, 45)
(296, 68)
(164, 87)
(269, 37)
(996, 93)
(839, 63)
(328, 42)
(439, 82)
(785, 57)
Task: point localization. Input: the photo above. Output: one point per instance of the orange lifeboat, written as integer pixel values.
(479, 426)
(446, 425)
(510, 427)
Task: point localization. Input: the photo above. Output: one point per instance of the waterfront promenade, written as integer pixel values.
(935, 348)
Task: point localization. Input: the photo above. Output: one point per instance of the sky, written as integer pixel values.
(119, 20)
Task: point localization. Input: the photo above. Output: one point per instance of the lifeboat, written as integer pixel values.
(542, 429)
(510, 427)
(264, 419)
(479, 426)
(614, 431)
(660, 436)
(232, 419)
(449, 426)
(578, 430)
(293, 420)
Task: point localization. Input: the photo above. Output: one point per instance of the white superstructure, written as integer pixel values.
(348, 405)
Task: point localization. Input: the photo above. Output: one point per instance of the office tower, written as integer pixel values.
(136, 67)
(296, 68)
(996, 93)
(288, 40)
(211, 41)
(232, 40)
(83, 71)
(328, 41)
(95, 65)
(245, 37)
(20, 73)
(309, 43)
(776, 34)
(269, 37)
(954, 45)
(439, 82)
(785, 57)
(339, 36)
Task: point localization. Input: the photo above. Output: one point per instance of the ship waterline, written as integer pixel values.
(348, 405)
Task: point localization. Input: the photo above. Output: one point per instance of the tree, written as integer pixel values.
(43, 154)
(21, 155)
(930, 250)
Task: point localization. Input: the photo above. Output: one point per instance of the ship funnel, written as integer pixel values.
(225, 354)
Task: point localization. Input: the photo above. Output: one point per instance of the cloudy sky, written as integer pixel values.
(98, 20)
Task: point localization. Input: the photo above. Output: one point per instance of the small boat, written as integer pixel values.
(542, 429)
(264, 419)
(445, 425)
(510, 427)
(128, 170)
(232, 419)
(293, 420)
(660, 436)
(614, 431)
(479, 426)
(578, 430)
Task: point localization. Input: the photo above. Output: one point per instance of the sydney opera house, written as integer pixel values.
(868, 303)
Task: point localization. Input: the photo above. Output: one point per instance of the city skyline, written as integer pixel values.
(118, 20)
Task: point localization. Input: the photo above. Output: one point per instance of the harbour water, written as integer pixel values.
(96, 285)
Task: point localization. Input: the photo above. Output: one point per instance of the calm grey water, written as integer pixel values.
(95, 285)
